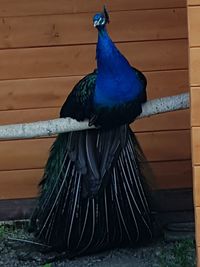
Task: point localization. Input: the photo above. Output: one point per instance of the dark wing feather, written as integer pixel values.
(142, 78)
(78, 104)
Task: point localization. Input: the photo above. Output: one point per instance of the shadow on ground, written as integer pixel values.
(160, 253)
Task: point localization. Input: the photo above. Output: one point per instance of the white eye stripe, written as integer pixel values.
(95, 23)
(100, 21)
(103, 21)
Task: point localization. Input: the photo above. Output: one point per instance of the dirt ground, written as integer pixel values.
(160, 253)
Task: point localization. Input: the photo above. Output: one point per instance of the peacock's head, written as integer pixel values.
(101, 19)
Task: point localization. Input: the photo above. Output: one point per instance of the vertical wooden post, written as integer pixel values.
(193, 9)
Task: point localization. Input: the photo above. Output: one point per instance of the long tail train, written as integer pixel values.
(92, 193)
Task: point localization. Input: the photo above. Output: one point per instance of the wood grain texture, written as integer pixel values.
(31, 31)
(79, 60)
(52, 92)
(195, 107)
(28, 115)
(178, 120)
(24, 154)
(24, 183)
(157, 146)
(37, 7)
(194, 64)
(194, 69)
(196, 185)
(194, 25)
(195, 145)
(193, 2)
(166, 145)
(20, 183)
(81, 5)
(35, 93)
(166, 83)
(34, 81)
(170, 174)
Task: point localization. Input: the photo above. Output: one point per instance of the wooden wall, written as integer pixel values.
(194, 66)
(47, 46)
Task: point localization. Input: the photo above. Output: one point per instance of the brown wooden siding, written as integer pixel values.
(47, 46)
(47, 7)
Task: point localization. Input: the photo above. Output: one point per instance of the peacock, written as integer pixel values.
(92, 194)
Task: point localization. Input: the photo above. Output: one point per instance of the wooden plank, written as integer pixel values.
(193, 26)
(169, 174)
(24, 154)
(52, 92)
(197, 225)
(196, 145)
(165, 83)
(157, 146)
(193, 2)
(196, 185)
(166, 145)
(177, 120)
(21, 8)
(24, 183)
(51, 30)
(169, 121)
(194, 66)
(35, 93)
(28, 115)
(128, 4)
(19, 183)
(78, 60)
(195, 110)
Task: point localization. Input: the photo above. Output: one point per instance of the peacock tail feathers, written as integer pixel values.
(92, 202)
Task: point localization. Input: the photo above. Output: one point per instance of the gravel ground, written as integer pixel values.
(157, 254)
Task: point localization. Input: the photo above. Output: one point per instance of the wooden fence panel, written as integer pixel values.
(193, 26)
(193, 2)
(196, 185)
(164, 175)
(24, 183)
(157, 146)
(80, 59)
(194, 66)
(47, 46)
(38, 7)
(196, 145)
(31, 31)
(51, 92)
(195, 111)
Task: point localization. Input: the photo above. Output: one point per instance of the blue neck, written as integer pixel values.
(104, 46)
(116, 81)
(107, 53)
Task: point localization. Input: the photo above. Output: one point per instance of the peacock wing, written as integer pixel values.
(79, 103)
